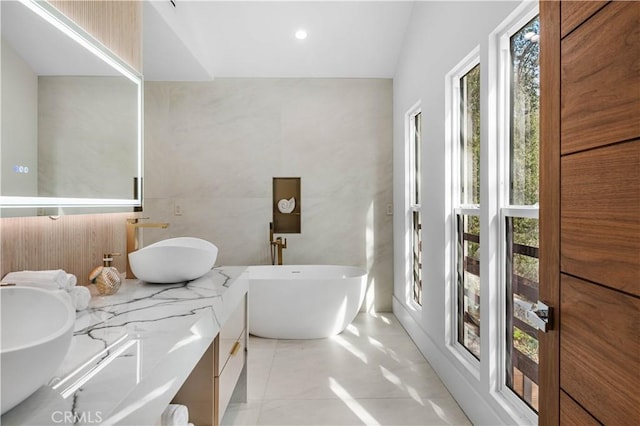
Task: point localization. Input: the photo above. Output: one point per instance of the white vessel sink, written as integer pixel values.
(173, 260)
(37, 326)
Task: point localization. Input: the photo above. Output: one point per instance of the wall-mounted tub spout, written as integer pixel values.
(276, 246)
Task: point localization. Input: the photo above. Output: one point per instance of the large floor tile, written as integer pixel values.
(260, 358)
(362, 381)
(370, 374)
(378, 324)
(370, 412)
(238, 414)
(307, 412)
(404, 411)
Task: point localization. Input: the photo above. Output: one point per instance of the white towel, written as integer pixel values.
(52, 280)
(175, 415)
(80, 297)
(72, 280)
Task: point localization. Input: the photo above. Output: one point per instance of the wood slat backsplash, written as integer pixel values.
(116, 24)
(74, 243)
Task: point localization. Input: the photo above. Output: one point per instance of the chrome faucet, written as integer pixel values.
(276, 246)
(133, 237)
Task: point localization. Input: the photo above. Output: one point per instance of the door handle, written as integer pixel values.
(540, 316)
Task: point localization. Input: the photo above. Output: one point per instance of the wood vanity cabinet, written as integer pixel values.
(211, 384)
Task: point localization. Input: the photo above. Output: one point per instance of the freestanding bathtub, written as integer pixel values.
(303, 302)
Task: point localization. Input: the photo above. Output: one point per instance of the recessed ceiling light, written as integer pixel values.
(301, 34)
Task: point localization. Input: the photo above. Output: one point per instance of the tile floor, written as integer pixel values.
(371, 374)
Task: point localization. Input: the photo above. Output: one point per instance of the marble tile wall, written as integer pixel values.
(213, 148)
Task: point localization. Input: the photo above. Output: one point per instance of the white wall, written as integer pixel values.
(440, 35)
(214, 147)
(19, 124)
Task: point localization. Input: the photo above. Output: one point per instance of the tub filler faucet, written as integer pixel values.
(133, 237)
(276, 246)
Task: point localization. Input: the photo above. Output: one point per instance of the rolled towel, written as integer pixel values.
(175, 415)
(287, 206)
(51, 280)
(72, 280)
(80, 297)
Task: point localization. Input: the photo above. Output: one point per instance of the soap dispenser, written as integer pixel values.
(106, 277)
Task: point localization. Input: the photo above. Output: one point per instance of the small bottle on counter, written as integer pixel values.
(106, 277)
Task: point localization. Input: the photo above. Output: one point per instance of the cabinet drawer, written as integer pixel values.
(230, 373)
(230, 334)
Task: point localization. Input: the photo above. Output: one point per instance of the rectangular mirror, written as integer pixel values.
(71, 118)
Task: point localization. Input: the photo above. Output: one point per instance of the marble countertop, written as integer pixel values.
(132, 351)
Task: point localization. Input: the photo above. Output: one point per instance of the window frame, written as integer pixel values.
(502, 48)
(489, 373)
(455, 206)
(413, 186)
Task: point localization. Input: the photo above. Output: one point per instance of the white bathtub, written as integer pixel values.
(303, 302)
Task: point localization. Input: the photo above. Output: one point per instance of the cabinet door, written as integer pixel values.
(228, 379)
(231, 333)
(198, 391)
(231, 357)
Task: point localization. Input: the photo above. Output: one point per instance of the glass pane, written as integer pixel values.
(417, 125)
(468, 277)
(470, 137)
(522, 289)
(525, 93)
(417, 258)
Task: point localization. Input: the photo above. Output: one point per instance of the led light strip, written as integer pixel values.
(50, 17)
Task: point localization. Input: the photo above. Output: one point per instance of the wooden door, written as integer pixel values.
(590, 212)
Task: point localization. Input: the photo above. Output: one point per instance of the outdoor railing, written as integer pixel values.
(522, 337)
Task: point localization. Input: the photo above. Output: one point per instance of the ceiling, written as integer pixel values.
(201, 40)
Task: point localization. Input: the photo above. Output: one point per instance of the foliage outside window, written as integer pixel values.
(467, 214)
(470, 137)
(521, 225)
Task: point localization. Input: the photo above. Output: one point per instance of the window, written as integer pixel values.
(519, 211)
(493, 204)
(467, 211)
(415, 141)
